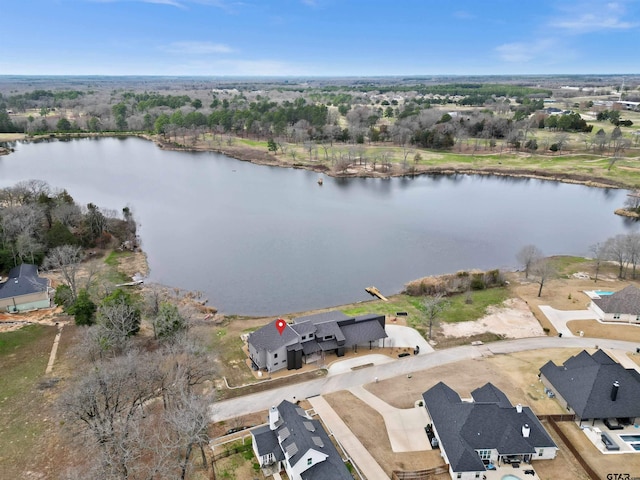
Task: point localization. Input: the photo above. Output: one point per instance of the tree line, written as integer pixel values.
(35, 218)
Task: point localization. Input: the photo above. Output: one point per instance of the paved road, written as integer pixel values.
(262, 401)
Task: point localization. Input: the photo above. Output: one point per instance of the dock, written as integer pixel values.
(373, 291)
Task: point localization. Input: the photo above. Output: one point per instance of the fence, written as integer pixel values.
(583, 463)
(419, 474)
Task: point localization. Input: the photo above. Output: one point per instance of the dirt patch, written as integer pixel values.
(512, 319)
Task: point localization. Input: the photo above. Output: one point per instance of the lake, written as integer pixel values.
(260, 240)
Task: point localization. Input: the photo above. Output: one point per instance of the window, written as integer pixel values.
(304, 337)
(275, 364)
(540, 452)
(309, 461)
(485, 454)
(616, 316)
(477, 475)
(459, 475)
(311, 335)
(275, 355)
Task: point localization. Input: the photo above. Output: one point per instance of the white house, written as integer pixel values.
(486, 431)
(622, 306)
(294, 442)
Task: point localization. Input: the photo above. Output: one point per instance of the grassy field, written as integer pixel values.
(24, 355)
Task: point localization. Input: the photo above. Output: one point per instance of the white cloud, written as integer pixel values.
(592, 17)
(197, 48)
(521, 52)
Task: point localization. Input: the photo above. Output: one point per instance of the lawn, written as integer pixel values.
(458, 310)
(24, 355)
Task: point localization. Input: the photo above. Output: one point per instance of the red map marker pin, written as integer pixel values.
(281, 325)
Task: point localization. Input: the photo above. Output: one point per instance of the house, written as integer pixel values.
(621, 306)
(24, 290)
(293, 441)
(310, 337)
(476, 435)
(594, 387)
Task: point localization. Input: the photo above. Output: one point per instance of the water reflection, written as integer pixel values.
(268, 240)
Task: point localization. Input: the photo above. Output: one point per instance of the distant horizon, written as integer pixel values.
(318, 38)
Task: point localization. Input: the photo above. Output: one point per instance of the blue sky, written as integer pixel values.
(318, 37)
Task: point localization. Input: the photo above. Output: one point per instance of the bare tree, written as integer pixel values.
(616, 250)
(66, 258)
(432, 307)
(598, 252)
(542, 271)
(527, 256)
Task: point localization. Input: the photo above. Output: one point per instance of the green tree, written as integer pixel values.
(272, 146)
(93, 124)
(197, 103)
(63, 296)
(59, 235)
(168, 321)
(120, 113)
(63, 125)
(83, 309)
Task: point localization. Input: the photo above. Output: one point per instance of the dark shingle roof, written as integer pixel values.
(585, 382)
(625, 301)
(465, 427)
(491, 394)
(362, 332)
(301, 439)
(23, 280)
(304, 328)
(266, 442)
(269, 338)
(332, 316)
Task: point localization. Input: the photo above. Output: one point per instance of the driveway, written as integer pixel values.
(401, 336)
(356, 451)
(559, 318)
(405, 426)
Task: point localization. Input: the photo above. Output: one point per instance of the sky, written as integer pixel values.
(318, 37)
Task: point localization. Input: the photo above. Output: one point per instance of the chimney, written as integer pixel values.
(614, 391)
(526, 430)
(274, 416)
(519, 408)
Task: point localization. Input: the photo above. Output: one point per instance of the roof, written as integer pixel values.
(23, 280)
(625, 301)
(299, 434)
(266, 442)
(585, 382)
(339, 329)
(331, 316)
(269, 338)
(490, 422)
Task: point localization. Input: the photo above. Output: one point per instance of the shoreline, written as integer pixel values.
(259, 157)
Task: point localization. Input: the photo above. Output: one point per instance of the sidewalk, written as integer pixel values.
(405, 426)
(360, 456)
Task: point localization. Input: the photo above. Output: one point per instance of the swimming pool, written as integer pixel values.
(510, 477)
(603, 293)
(630, 438)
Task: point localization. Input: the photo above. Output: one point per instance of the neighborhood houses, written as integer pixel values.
(621, 306)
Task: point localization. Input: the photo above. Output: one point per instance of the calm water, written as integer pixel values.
(266, 240)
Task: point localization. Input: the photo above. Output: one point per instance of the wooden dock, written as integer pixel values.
(373, 291)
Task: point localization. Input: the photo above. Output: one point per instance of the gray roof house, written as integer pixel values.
(309, 337)
(488, 430)
(295, 442)
(594, 386)
(24, 290)
(621, 306)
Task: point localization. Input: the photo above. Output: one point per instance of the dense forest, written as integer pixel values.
(424, 114)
